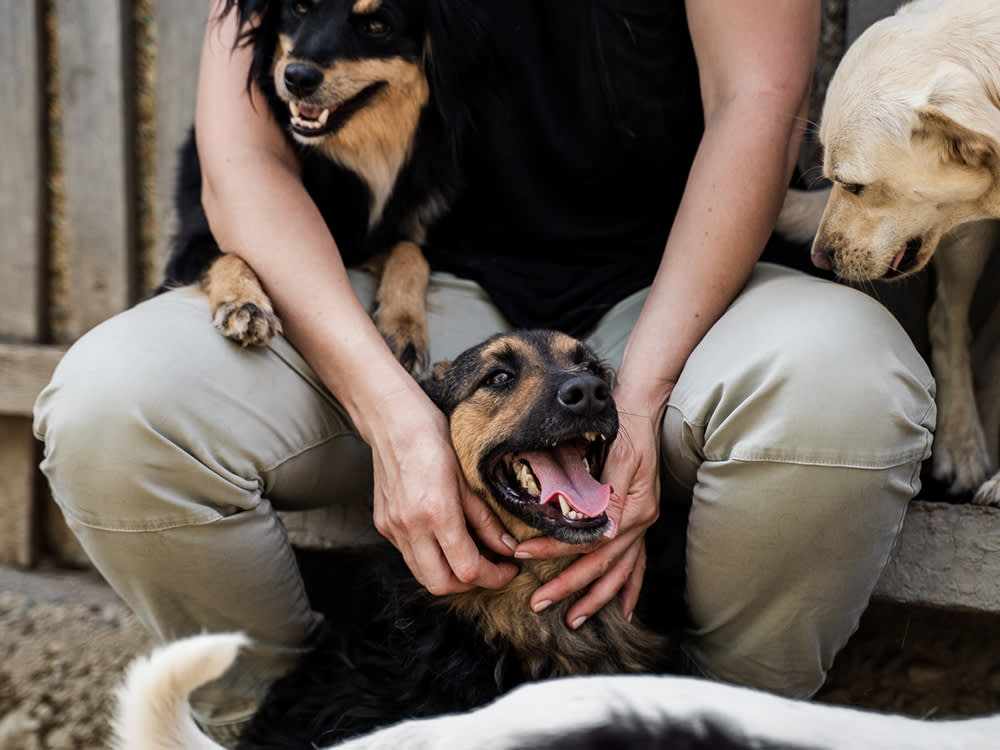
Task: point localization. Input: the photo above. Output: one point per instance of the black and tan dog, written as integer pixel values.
(532, 420)
(374, 96)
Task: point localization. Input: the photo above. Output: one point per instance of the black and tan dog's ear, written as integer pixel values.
(435, 384)
(254, 16)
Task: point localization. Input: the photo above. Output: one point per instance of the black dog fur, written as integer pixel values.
(430, 178)
(392, 651)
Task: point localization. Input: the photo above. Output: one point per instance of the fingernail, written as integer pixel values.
(541, 605)
(629, 616)
(522, 556)
(510, 541)
(578, 622)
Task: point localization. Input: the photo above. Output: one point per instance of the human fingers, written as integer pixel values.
(580, 574)
(486, 526)
(610, 585)
(466, 561)
(628, 596)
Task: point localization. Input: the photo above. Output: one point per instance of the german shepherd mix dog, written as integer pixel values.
(911, 140)
(532, 421)
(373, 93)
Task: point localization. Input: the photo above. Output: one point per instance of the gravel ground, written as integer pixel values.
(65, 639)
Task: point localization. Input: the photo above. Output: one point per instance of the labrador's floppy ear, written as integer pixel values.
(959, 117)
(955, 142)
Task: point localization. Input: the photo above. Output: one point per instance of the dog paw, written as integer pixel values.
(960, 458)
(246, 323)
(989, 492)
(409, 341)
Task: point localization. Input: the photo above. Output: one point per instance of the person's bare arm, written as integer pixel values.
(755, 61)
(258, 209)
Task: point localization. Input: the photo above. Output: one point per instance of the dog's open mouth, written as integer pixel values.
(311, 121)
(556, 487)
(906, 259)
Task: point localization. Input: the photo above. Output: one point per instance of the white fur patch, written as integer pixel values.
(152, 712)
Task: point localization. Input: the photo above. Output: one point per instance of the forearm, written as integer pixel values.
(732, 199)
(755, 61)
(259, 209)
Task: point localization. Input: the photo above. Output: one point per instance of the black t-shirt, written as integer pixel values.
(576, 166)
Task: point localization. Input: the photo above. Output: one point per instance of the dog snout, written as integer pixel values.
(302, 79)
(584, 395)
(822, 257)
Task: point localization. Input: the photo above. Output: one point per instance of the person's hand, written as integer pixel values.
(615, 565)
(425, 508)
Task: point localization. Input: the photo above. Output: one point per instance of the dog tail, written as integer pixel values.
(152, 711)
(801, 213)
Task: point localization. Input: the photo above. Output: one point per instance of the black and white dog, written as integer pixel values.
(578, 713)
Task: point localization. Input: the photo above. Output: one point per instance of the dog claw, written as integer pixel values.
(246, 323)
(408, 341)
(414, 358)
(988, 493)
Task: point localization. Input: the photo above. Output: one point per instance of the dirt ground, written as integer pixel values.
(65, 639)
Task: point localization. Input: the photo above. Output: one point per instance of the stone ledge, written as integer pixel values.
(948, 557)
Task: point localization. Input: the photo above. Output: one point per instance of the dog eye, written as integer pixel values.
(375, 27)
(854, 188)
(498, 377)
(300, 9)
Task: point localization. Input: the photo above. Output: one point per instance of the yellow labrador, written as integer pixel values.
(911, 139)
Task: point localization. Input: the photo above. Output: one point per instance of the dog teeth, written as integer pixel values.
(590, 437)
(525, 477)
(309, 123)
(586, 464)
(568, 512)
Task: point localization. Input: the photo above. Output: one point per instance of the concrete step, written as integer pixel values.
(948, 556)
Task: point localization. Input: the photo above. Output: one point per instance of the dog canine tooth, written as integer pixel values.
(323, 117)
(525, 477)
(586, 464)
(294, 109)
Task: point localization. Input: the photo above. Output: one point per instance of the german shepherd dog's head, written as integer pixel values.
(532, 420)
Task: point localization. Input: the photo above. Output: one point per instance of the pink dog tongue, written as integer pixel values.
(561, 472)
(898, 259)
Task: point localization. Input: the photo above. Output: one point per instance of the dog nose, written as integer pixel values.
(584, 394)
(822, 258)
(302, 79)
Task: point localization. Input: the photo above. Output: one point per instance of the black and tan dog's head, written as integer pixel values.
(532, 420)
(355, 76)
(346, 68)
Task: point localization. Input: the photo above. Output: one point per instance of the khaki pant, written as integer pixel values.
(797, 428)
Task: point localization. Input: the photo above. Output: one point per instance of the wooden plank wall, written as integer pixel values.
(22, 176)
(22, 260)
(179, 31)
(94, 43)
(86, 54)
